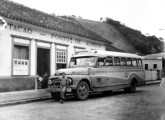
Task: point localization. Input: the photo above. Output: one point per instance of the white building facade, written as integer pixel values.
(27, 50)
(153, 68)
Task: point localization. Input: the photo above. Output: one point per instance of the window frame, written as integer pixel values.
(110, 63)
(62, 58)
(98, 62)
(136, 62)
(131, 62)
(25, 61)
(141, 62)
(115, 63)
(125, 61)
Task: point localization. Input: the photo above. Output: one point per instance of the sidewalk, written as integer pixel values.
(17, 97)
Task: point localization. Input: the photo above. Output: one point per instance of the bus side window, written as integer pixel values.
(134, 62)
(129, 61)
(140, 62)
(117, 61)
(123, 62)
(101, 62)
(109, 61)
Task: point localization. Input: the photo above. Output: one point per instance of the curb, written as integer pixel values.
(153, 82)
(23, 101)
(20, 97)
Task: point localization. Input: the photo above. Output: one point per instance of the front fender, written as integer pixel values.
(139, 79)
(77, 78)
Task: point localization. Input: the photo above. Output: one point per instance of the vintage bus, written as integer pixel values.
(95, 70)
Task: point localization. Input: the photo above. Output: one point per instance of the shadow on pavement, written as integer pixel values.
(99, 95)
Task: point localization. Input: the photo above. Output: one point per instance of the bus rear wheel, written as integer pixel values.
(82, 91)
(132, 87)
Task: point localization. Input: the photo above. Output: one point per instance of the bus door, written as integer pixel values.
(100, 77)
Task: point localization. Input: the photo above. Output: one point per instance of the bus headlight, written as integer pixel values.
(70, 81)
(49, 82)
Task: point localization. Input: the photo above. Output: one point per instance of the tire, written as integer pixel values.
(55, 95)
(132, 88)
(82, 91)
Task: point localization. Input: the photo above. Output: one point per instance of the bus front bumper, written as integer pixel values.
(55, 89)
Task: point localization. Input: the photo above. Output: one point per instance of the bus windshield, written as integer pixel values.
(83, 62)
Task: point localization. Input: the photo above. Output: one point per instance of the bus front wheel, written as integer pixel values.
(82, 91)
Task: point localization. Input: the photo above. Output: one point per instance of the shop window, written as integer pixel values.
(21, 60)
(61, 57)
(123, 62)
(146, 66)
(117, 61)
(109, 61)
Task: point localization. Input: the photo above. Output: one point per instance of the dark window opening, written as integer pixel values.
(21, 52)
(154, 66)
(101, 62)
(117, 61)
(146, 66)
(61, 66)
(123, 62)
(109, 61)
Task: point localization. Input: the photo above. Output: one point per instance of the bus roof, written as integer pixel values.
(101, 53)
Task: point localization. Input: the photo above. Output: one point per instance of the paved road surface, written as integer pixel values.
(145, 104)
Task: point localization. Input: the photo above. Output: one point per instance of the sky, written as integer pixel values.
(148, 16)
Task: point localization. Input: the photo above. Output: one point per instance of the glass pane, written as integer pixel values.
(129, 62)
(123, 62)
(134, 62)
(117, 61)
(109, 61)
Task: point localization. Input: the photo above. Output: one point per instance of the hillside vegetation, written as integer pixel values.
(143, 44)
(109, 32)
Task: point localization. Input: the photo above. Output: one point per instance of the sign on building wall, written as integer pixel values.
(20, 28)
(78, 42)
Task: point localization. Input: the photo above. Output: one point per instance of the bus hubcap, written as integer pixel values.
(82, 90)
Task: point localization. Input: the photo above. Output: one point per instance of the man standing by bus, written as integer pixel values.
(64, 85)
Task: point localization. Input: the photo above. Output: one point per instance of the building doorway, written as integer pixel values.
(43, 61)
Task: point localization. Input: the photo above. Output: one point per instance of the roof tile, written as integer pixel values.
(22, 13)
